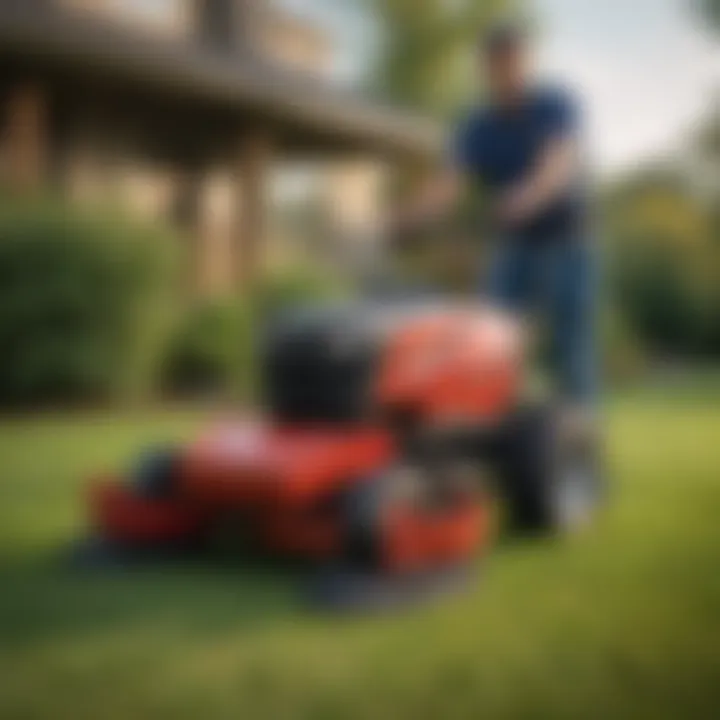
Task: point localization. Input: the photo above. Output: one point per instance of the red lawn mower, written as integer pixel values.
(387, 425)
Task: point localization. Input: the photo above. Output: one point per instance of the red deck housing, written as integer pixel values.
(124, 517)
(280, 485)
(283, 483)
(258, 466)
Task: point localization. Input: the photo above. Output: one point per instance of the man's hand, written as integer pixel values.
(436, 197)
(552, 175)
(517, 206)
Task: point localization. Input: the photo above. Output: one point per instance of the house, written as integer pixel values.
(184, 109)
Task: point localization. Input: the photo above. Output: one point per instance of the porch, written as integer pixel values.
(195, 133)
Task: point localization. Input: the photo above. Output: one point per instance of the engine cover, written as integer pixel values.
(430, 360)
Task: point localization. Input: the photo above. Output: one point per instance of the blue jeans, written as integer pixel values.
(555, 282)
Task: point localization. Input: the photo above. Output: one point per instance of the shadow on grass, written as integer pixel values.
(45, 599)
(49, 599)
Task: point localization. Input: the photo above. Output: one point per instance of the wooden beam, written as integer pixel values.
(252, 169)
(25, 138)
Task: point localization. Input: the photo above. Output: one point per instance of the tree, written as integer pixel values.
(665, 265)
(425, 60)
(706, 149)
(710, 10)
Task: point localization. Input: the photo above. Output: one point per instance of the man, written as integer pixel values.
(523, 145)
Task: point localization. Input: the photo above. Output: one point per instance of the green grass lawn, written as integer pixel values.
(622, 622)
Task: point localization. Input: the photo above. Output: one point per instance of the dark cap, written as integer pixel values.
(502, 37)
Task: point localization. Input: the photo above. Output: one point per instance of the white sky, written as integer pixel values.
(646, 69)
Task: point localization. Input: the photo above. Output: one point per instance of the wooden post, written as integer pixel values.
(251, 178)
(226, 26)
(25, 138)
(216, 234)
(187, 217)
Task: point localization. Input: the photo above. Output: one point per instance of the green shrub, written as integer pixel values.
(624, 356)
(668, 295)
(212, 350)
(84, 304)
(295, 286)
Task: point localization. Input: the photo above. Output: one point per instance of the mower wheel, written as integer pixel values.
(364, 508)
(552, 482)
(153, 473)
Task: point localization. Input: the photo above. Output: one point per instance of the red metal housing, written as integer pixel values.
(283, 483)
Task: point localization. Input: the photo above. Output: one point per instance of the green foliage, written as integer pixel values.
(213, 352)
(282, 290)
(665, 265)
(88, 312)
(84, 304)
(710, 11)
(624, 356)
(426, 58)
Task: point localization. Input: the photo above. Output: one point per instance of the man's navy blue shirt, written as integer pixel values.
(501, 146)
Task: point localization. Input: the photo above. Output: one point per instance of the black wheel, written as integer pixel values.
(552, 480)
(153, 474)
(363, 509)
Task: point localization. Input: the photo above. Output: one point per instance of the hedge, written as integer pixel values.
(85, 304)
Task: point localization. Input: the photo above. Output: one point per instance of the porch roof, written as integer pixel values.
(316, 114)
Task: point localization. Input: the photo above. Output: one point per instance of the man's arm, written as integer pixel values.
(552, 175)
(556, 167)
(442, 192)
(437, 196)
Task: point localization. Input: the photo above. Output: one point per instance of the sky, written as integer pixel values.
(647, 70)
